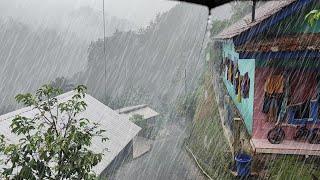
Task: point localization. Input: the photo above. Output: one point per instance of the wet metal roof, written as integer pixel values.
(262, 13)
(142, 110)
(119, 130)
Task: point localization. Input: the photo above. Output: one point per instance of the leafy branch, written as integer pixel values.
(55, 142)
(312, 17)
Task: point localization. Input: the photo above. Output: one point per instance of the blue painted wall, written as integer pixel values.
(245, 107)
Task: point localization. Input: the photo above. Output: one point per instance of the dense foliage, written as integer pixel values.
(313, 17)
(186, 105)
(148, 65)
(139, 120)
(55, 142)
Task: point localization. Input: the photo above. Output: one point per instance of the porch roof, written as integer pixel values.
(143, 110)
(303, 42)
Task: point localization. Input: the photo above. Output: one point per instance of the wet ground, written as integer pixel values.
(168, 159)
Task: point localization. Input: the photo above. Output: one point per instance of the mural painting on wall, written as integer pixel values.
(292, 96)
(241, 83)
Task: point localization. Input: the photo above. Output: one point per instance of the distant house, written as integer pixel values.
(144, 110)
(271, 71)
(149, 116)
(119, 130)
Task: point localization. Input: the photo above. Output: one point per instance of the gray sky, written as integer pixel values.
(86, 21)
(222, 12)
(139, 12)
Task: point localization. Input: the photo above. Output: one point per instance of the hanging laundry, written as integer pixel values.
(276, 99)
(266, 103)
(226, 67)
(273, 98)
(236, 80)
(221, 66)
(273, 111)
(274, 84)
(245, 85)
(284, 104)
(239, 88)
(230, 72)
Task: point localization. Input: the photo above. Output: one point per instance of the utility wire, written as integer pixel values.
(104, 50)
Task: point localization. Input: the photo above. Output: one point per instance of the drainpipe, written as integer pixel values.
(253, 10)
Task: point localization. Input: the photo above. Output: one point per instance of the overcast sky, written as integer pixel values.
(87, 22)
(139, 12)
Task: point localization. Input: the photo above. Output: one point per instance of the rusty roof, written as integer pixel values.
(284, 43)
(262, 13)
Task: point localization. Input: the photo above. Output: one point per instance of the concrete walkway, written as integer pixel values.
(141, 146)
(167, 160)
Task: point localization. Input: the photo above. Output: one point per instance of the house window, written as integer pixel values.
(303, 113)
(303, 100)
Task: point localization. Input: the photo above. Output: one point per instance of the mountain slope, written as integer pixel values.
(150, 63)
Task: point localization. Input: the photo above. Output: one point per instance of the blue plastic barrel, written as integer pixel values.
(243, 163)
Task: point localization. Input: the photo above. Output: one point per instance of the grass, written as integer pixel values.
(207, 140)
(293, 167)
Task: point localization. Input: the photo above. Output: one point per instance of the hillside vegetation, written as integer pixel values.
(148, 66)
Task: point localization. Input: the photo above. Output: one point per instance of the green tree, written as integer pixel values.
(312, 17)
(186, 105)
(139, 120)
(239, 9)
(55, 143)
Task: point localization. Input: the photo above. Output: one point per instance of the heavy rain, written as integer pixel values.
(159, 90)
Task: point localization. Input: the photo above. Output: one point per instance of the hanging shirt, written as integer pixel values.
(274, 84)
(245, 85)
(236, 81)
(239, 89)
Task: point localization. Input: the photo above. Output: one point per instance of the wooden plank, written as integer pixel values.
(236, 138)
(286, 147)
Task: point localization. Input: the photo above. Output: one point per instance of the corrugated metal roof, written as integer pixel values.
(262, 13)
(119, 130)
(142, 110)
(284, 43)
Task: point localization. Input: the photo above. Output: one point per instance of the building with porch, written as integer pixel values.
(148, 118)
(271, 71)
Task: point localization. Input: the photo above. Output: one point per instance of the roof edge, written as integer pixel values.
(223, 36)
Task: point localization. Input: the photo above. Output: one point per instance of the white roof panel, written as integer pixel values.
(119, 129)
(142, 110)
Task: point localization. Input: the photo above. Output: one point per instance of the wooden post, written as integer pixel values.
(236, 136)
